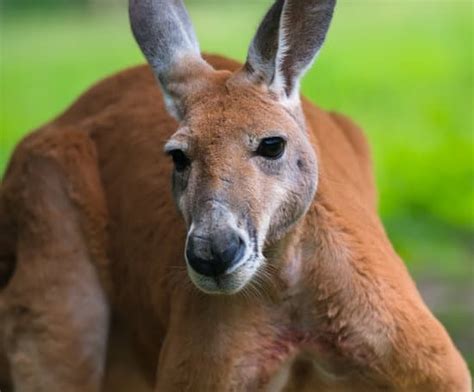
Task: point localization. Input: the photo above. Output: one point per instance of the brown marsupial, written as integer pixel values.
(264, 266)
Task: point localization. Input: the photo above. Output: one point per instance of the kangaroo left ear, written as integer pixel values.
(286, 43)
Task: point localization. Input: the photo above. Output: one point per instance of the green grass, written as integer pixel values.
(403, 70)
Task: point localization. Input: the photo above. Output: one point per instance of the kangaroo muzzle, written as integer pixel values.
(216, 253)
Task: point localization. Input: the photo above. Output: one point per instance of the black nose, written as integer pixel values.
(214, 255)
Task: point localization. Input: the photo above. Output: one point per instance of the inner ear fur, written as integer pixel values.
(287, 41)
(163, 30)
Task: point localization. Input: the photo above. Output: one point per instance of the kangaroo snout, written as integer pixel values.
(215, 254)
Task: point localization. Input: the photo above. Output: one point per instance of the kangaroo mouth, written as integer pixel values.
(230, 282)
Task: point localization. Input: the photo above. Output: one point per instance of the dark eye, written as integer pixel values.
(180, 160)
(271, 147)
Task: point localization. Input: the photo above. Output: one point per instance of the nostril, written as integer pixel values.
(200, 265)
(233, 252)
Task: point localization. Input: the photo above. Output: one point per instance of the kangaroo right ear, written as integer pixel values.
(164, 32)
(286, 43)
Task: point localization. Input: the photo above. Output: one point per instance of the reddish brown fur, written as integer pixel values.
(354, 311)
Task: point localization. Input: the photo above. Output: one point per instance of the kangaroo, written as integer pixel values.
(263, 267)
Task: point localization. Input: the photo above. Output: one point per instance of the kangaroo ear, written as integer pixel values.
(286, 43)
(164, 32)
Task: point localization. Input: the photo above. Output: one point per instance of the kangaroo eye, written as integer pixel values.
(180, 160)
(271, 147)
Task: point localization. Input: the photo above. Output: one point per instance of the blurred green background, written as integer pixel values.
(402, 69)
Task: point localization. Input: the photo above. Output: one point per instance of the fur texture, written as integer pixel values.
(340, 306)
(90, 229)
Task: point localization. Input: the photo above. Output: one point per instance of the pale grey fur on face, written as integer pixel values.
(287, 187)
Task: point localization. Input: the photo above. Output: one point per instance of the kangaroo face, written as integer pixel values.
(244, 173)
(245, 170)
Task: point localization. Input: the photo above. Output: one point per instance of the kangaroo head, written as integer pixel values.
(245, 170)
